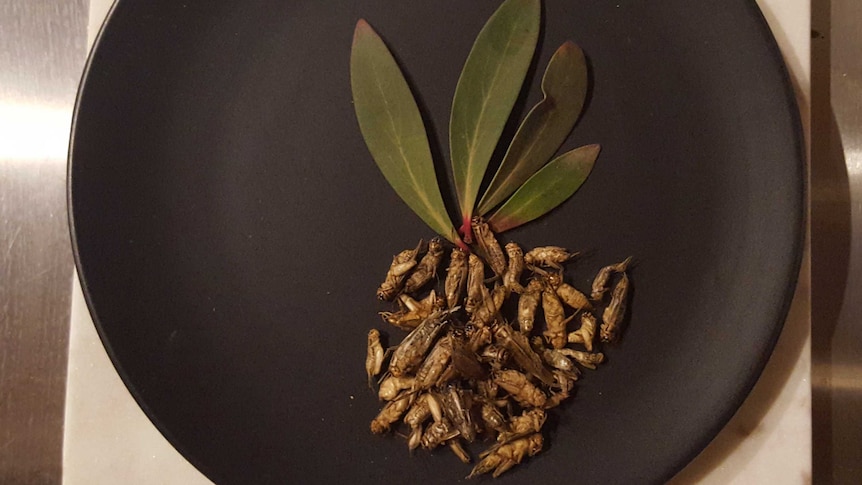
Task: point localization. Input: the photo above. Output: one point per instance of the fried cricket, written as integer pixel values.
(616, 310)
(555, 318)
(516, 266)
(427, 267)
(548, 256)
(390, 414)
(520, 388)
(409, 355)
(529, 422)
(506, 456)
(527, 304)
(413, 312)
(475, 284)
(586, 334)
(391, 386)
(600, 283)
(401, 265)
(569, 294)
(463, 373)
(434, 365)
(374, 355)
(415, 418)
(489, 246)
(456, 277)
(521, 352)
(586, 359)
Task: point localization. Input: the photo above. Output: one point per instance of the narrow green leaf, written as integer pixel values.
(487, 90)
(545, 128)
(393, 130)
(547, 189)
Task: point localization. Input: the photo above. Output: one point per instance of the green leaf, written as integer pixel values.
(393, 130)
(487, 90)
(547, 189)
(545, 128)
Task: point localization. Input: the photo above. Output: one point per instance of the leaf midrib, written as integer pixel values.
(394, 135)
(485, 98)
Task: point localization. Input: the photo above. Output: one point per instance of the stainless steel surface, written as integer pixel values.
(836, 193)
(42, 52)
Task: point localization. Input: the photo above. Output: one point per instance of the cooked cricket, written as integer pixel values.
(527, 423)
(557, 359)
(456, 405)
(456, 277)
(586, 334)
(405, 320)
(413, 312)
(520, 388)
(600, 283)
(515, 268)
(374, 355)
(475, 283)
(391, 386)
(586, 359)
(489, 246)
(506, 456)
(463, 373)
(487, 311)
(438, 432)
(427, 267)
(434, 365)
(465, 362)
(555, 318)
(493, 418)
(415, 418)
(402, 263)
(520, 350)
(495, 355)
(527, 304)
(565, 384)
(390, 413)
(410, 353)
(548, 256)
(487, 390)
(569, 294)
(423, 307)
(478, 337)
(616, 310)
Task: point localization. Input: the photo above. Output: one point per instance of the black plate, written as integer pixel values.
(231, 227)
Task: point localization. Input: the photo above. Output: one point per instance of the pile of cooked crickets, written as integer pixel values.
(465, 367)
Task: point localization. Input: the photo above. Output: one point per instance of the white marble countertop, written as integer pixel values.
(109, 440)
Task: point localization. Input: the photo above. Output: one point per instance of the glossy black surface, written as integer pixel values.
(231, 227)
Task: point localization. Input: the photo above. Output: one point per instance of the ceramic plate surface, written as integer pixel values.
(231, 228)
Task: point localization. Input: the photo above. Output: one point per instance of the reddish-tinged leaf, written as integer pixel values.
(393, 130)
(487, 90)
(547, 189)
(545, 128)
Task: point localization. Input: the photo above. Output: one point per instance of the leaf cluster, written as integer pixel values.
(529, 181)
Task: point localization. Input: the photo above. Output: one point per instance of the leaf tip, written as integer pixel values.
(362, 29)
(568, 45)
(502, 224)
(570, 49)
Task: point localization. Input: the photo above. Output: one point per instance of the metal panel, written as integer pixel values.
(42, 52)
(836, 194)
